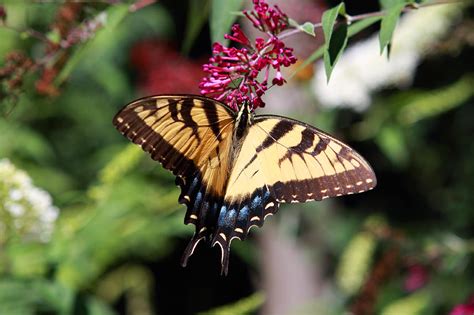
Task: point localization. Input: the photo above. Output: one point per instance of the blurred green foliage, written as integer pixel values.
(119, 213)
(68, 146)
(244, 306)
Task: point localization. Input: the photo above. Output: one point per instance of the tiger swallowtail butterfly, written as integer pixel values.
(235, 168)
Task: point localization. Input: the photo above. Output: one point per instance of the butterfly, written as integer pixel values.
(235, 168)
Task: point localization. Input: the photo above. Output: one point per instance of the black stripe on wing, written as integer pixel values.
(277, 132)
(134, 121)
(352, 174)
(134, 128)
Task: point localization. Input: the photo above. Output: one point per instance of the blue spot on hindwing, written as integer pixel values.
(243, 215)
(229, 218)
(204, 208)
(197, 201)
(256, 202)
(266, 195)
(194, 183)
(222, 216)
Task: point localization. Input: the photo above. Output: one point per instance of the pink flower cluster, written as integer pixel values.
(267, 19)
(464, 309)
(234, 74)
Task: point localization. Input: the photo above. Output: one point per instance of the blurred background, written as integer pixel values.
(89, 224)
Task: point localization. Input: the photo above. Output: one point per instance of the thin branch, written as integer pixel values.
(29, 32)
(140, 4)
(350, 19)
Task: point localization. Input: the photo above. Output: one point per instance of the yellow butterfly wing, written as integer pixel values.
(284, 160)
(230, 187)
(302, 163)
(192, 137)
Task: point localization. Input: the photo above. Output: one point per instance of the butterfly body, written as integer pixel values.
(243, 121)
(235, 168)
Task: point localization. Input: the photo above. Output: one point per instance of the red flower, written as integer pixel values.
(233, 74)
(267, 19)
(464, 309)
(161, 69)
(417, 277)
(3, 14)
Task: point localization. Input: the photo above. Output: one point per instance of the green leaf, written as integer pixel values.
(54, 36)
(387, 4)
(198, 13)
(16, 298)
(117, 35)
(413, 304)
(34, 297)
(329, 19)
(108, 76)
(27, 260)
(95, 306)
(427, 104)
(115, 15)
(355, 262)
(353, 29)
(389, 21)
(335, 48)
(392, 143)
(29, 143)
(335, 37)
(54, 295)
(293, 23)
(358, 26)
(222, 17)
(308, 28)
(116, 169)
(247, 305)
(129, 211)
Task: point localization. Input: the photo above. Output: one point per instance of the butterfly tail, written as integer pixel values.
(191, 247)
(224, 246)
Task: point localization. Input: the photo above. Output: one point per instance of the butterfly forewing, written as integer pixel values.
(178, 131)
(191, 136)
(307, 163)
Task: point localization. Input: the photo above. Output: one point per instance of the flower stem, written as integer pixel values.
(363, 16)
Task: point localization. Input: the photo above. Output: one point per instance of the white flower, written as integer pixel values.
(15, 194)
(50, 215)
(27, 210)
(15, 209)
(361, 70)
